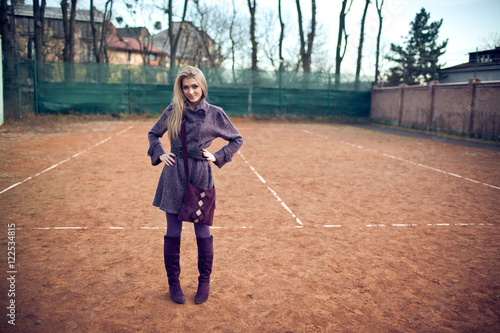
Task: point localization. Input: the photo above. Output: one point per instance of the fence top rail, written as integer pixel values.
(383, 89)
(438, 85)
(488, 84)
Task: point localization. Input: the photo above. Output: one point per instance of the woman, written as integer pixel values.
(204, 123)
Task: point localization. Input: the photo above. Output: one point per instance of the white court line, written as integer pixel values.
(64, 161)
(123, 131)
(329, 226)
(411, 162)
(271, 190)
(403, 225)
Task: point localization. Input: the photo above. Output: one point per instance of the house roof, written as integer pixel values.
(493, 60)
(131, 44)
(187, 25)
(56, 13)
(161, 39)
(467, 65)
(134, 32)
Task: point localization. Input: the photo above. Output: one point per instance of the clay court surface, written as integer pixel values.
(319, 228)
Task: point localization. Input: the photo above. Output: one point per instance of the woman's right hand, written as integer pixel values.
(168, 158)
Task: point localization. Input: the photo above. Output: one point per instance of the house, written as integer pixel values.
(122, 47)
(54, 33)
(132, 46)
(194, 48)
(484, 65)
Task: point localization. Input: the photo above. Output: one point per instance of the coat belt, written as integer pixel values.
(195, 153)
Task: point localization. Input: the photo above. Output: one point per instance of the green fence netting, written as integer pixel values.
(104, 88)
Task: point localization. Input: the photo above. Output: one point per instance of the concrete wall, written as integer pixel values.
(470, 108)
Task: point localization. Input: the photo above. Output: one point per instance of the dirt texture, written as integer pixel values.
(319, 228)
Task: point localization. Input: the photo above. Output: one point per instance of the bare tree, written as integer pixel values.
(232, 39)
(97, 54)
(322, 55)
(377, 53)
(174, 37)
(282, 35)
(9, 60)
(39, 22)
(99, 42)
(342, 36)
(305, 54)
(492, 41)
(69, 29)
(7, 30)
(214, 26)
(268, 37)
(360, 46)
(252, 33)
(238, 37)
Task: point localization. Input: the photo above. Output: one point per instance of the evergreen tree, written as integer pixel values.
(417, 60)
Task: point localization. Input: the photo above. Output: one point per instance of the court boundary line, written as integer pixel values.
(405, 160)
(328, 226)
(272, 191)
(64, 161)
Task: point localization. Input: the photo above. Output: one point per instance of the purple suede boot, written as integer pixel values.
(171, 255)
(205, 261)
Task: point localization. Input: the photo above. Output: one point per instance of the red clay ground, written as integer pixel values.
(386, 245)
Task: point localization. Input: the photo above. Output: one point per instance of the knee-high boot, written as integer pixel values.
(205, 261)
(171, 255)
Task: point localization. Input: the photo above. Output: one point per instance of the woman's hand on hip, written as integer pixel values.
(168, 158)
(208, 155)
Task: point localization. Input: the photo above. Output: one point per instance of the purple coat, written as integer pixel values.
(203, 124)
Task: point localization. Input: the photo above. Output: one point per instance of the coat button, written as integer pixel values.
(199, 123)
(196, 139)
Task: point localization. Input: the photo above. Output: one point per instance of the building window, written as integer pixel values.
(485, 58)
(128, 56)
(57, 28)
(29, 48)
(28, 26)
(89, 55)
(86, 30)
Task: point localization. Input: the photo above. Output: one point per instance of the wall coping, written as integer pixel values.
(438, 85)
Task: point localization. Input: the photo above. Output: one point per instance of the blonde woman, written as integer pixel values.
(204, 123)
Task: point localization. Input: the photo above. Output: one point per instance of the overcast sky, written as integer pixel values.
(466, 23)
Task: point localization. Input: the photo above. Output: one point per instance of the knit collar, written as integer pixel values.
(202, 105)
(196, 114)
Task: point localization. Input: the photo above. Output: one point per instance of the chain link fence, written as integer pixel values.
(56, 87)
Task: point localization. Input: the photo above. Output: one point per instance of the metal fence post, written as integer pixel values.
(328, 93)
(1, 84)
(129, 90)
(18, 84)
(472, 92)
(250, 100)
(281, 87)
(35, 84)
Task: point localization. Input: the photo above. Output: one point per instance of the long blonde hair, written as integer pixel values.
(178, 101)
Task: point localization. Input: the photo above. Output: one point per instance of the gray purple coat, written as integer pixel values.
(203, 124)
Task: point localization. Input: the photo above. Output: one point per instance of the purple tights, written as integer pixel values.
(174, 228)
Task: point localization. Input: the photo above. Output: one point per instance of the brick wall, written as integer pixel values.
(468, 108)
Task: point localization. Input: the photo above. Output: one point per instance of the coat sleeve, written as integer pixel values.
(159, 128)
(226, 130)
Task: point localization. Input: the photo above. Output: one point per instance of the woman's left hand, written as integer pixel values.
(209, 156)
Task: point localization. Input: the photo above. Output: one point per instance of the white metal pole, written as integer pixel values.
(1, 83)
